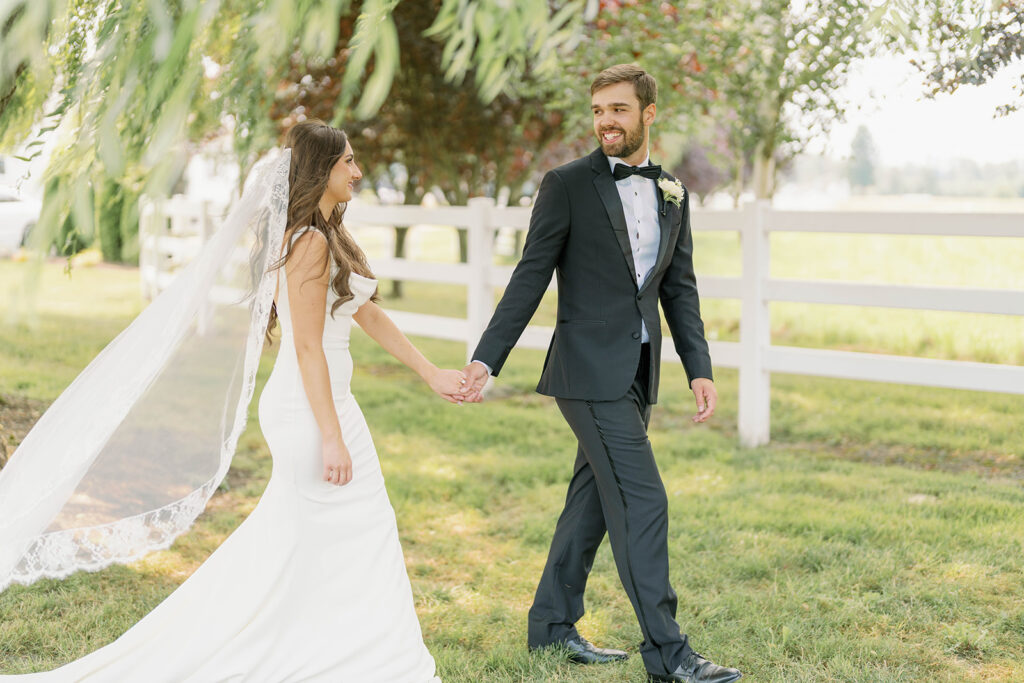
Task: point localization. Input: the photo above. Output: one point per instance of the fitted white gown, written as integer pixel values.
(312, 585)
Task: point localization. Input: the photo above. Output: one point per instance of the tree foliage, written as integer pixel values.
(765, 74)
(432, 133)
(863, 158)
(964, 42)
(127, 83)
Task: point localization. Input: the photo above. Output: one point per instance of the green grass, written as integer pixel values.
(878, 538)
(52, 325)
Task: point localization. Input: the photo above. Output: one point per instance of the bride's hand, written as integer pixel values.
(337, 462)
(447, 384)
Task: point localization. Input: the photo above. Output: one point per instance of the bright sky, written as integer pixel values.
(909, 128)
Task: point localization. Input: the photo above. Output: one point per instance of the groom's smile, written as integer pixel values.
(611, 136)
(620, 123)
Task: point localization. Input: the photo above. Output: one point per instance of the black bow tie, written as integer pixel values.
(623, 171)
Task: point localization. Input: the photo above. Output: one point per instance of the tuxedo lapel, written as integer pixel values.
(609, 194)
(665, 221)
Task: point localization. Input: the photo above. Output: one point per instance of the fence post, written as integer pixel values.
(205, 223)
(145, 258)
(755, 328)
(479, 293)
(152, 220)
(204, 314)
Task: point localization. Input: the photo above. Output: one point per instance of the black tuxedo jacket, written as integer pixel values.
(577, 229)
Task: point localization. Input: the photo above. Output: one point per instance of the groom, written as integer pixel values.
(616, 230)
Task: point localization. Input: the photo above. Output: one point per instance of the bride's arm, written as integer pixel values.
(376, 323)
(308, 279)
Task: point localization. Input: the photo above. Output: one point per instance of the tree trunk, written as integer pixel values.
(400, 234)
(412, 198)
(109, 209)
(462, 199)
(737, 188)
(463, 245)
(764, 172)
(514, 193)
(129, 226)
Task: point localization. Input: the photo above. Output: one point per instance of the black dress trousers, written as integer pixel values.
(616, 488)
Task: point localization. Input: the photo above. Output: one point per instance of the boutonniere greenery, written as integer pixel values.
(672, 190)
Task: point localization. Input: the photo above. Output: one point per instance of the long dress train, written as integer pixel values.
(312, 585)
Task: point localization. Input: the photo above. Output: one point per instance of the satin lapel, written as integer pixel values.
(665, 222)
(606, 189)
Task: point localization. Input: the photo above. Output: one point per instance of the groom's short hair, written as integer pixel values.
(643, 83)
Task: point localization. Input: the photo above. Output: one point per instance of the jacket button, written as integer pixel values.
(639, 297)
(636, 335)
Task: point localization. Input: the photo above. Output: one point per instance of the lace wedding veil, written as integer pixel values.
(128, 456)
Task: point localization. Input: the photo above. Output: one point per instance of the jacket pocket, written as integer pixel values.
(582, 322)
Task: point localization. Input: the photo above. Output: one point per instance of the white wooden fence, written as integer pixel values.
(171, 232)
(754, 355)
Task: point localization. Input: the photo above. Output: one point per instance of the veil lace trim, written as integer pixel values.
(45, 473)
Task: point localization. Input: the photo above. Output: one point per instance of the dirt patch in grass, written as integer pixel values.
(17, 415)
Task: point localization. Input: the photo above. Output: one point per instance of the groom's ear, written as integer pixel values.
(650, 111)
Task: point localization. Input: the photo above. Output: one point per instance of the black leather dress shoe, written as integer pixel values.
(696, 669)
(582, 652)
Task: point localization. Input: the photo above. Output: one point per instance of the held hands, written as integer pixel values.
(476, 379)
(337, 461)
(706, 396)
(447, 384)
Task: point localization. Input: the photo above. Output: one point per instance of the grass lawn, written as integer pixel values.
(878, 538)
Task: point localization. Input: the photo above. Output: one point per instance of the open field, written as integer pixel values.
(938, 261)
(878, 538)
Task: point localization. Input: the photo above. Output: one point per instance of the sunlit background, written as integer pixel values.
(875, 537)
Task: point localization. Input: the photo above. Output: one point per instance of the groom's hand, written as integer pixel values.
(706, 396)
(476, 378)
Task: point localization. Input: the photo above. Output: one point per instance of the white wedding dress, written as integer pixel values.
(312, 585)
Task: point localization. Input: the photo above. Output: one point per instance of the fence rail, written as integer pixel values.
(754, 355)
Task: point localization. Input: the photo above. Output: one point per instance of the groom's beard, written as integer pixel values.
(630, 141)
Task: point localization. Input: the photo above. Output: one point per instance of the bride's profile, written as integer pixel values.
(312, 586)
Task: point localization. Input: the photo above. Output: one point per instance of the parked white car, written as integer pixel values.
(17, 217)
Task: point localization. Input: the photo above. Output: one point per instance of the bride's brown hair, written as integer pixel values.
(316, 148)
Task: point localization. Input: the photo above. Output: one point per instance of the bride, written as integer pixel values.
(312, 585)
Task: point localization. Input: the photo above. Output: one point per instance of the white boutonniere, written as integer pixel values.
(672, 190)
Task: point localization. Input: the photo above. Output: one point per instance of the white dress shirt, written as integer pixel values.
(639, 197)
